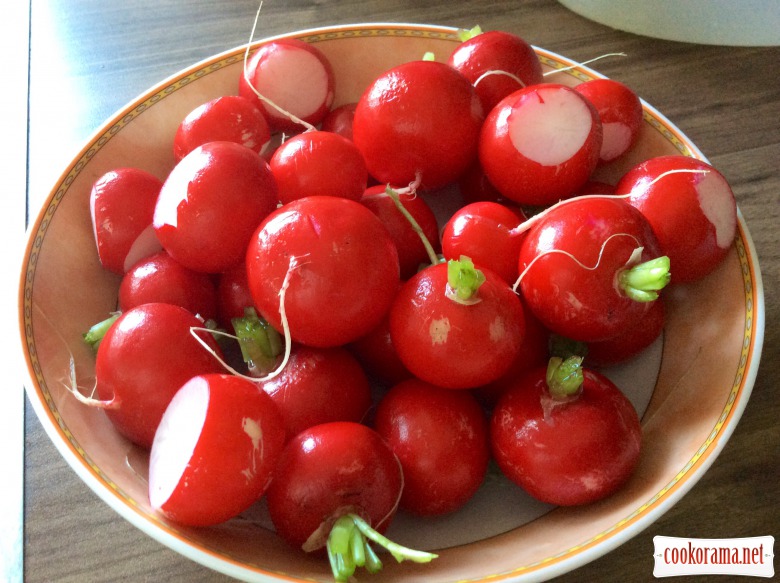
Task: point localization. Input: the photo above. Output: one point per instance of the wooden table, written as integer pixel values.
(90, 57)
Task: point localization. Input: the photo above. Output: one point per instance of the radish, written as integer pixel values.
(376, 353)
(121, 205)
(211, 203)
(691, 208)
(419, 120)
(318, 163)
(230, 118)
(160, 278)
(339, 120)
(540, 144)
(215, 450)
(497, 63)
(297, 79)
(621, 115)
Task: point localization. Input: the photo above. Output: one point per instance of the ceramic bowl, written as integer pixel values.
(690, 387)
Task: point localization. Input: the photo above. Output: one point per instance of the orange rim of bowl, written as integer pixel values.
(566, 560)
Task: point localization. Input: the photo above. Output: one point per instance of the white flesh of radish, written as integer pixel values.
(552, 129)
(717, 203)
(176, 187)
(144, 245)
(176, 438)
(296, 81)
(617, 139)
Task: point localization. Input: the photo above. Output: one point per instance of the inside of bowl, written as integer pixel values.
(683, 387)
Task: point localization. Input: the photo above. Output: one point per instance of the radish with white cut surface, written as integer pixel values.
(121, 204)
(294, 76)
(621, 114)
(214, 451)
(690, 206)
(540, 144)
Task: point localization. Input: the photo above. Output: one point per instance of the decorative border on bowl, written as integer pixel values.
(705, 453)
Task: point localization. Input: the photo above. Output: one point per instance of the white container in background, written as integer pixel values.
(713, 22)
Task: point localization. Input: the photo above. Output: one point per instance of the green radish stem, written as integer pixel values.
(564, 376)
(465, 35)
(394, 195)
(463, 280)
(95, 334)
(260, 343)
(348, 548)
(643, 281)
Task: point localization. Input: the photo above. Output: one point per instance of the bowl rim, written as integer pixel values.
(549, 567)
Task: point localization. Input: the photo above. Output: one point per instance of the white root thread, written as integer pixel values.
(593, 60)
(263, 98)
(285, 332)
(630, 260)
(526, 225)
(71, 383)
(499, 72)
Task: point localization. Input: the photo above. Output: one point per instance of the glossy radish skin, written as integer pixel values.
(211, 203)
(160, 278)
(693, 212)
(511, 57)
(339, 120)
(571, 264)
(631, 342)
(411, 250)
(345, 275)
(567, 450)
(420, 119)
(481, 231)
(540, 144)
(378, 356)
(319, 385)
(214, 453)
(233, 295)
(121, 205)
(452, 344)
(621, 114)
(328, 471)
(318, 163)
(441, 439)
(143, 359)
(230, 118)
(294, 75)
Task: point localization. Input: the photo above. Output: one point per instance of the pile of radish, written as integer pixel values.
(296, 323)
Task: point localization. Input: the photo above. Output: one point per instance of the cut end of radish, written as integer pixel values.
(176, 188)
(617, 141)
(145, 244)
(550, 126)
(719, 207)
(176, 438)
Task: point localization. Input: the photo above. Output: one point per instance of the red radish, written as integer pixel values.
(160, 278)
(334, 485)
(691, 208)
(143, 359)
(211, 203)
(540, 144)
(420, 120)
(233, 295)
(339, 120)
(621, 115)
(456, 326)
(589, 268)
(441, 439)
(474, 186)
(318, 163)
(411, 249)
(497, 63)
(295, 76)
(230, 118)
(596, 187)
(566, 435)
(121, 205)
(215, 450)
(481, 231)
(630, 342)
(342, 265)
(319, 385)
(378, 356)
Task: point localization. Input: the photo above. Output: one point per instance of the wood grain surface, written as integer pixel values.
(90, 57)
